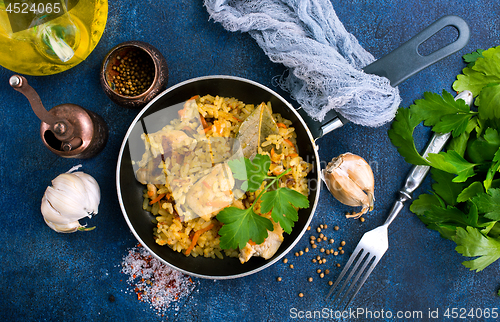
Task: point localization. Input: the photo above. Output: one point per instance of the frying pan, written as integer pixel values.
(396, 66)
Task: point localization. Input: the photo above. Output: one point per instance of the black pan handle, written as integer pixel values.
(402, 63)
(406, 61)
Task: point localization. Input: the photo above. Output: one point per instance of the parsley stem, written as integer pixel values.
(274, 179)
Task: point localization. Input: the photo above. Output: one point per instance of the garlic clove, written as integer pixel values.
(93, 191)
(66, 228)
(349, 178)
(71, 197)
(67, 202)
(51, 214)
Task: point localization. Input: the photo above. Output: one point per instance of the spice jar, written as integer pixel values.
(133, 73)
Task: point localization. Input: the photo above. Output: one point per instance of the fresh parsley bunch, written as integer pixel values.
(464, 204)
(242, 225)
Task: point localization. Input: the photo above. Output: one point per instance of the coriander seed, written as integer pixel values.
(336, 228)
(279, 279)
(342, 243)
(310, 279)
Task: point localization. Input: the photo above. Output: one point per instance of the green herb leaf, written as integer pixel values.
(486, 70)
(443, 113)
(401, 135)
(489, 101)
(451, 162)
(472, 243)
(282, 202)
(471, 191)
(444, 187)
(253, 173)
(489, 203)
(472, 57)
(241, 225)
(459, 143)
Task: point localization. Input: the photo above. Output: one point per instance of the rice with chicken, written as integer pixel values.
(185, 163)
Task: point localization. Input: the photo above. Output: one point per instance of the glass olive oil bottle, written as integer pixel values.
(44, 37)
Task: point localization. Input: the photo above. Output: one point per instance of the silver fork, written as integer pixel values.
(374, 243)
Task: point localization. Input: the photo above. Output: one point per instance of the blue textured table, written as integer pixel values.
(48, 276)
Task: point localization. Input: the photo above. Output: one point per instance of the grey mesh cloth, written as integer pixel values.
(324, 60)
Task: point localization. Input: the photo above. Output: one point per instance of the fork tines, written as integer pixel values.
(361, 255)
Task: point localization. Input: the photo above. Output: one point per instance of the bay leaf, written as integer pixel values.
(255, 129)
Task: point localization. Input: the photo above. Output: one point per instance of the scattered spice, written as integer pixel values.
(310, 279)
(362, 219)
(330, 283)
(342, 243)
(301, 294)
(291, 265)
(331, 241)
(279, 279)
(285, 260)
(154, 282)
(336, 227)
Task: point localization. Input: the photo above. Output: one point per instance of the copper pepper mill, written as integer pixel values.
(68, 130)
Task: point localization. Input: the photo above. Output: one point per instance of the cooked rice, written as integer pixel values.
(194, 156)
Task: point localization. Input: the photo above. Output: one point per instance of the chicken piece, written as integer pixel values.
(212, 192)
(265, 250)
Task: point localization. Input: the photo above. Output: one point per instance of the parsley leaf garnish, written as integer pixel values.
(471, 243)
(282, 202)
(489, 203)
(252, 172)
(401, 135)
(242, 225)
(486, 70)
(472, 57)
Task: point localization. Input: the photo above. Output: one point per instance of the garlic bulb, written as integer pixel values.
(72, 196)
(350, 180)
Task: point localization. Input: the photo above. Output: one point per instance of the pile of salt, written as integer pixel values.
(153, 281)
